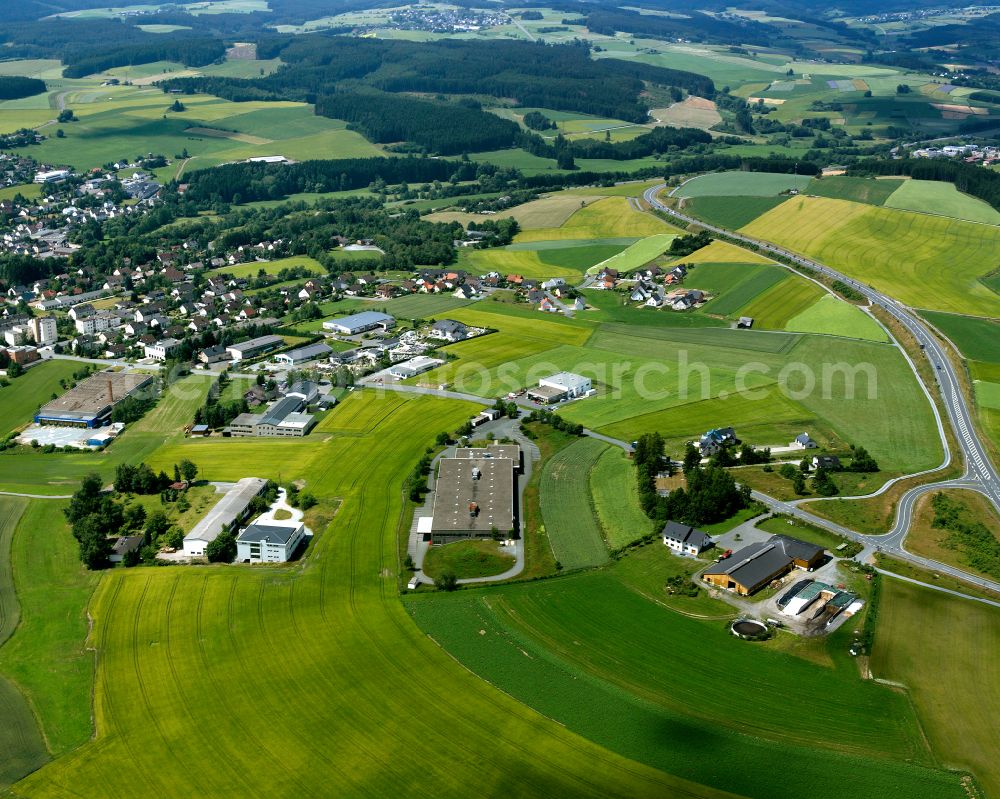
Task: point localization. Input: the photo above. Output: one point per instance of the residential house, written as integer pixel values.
(685, 539)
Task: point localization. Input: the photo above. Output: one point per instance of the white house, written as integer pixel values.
(161, 350)
(685, 539)
(803, 441)
(269, 543)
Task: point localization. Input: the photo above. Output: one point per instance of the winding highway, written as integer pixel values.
(979, 475)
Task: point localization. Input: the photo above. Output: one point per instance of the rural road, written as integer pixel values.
(980, 474)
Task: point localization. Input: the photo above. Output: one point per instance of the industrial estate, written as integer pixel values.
(587, 399)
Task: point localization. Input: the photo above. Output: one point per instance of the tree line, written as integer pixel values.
(14, 87)
(969, 178)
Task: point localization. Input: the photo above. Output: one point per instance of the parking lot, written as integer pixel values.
(53, 434)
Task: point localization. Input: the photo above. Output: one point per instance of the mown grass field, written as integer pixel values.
(603, 653)
(466, 559)
(731, 212)
(611, 216)
(833, 316)
(742, 184)
(925, 261)
(640, 253)
(720, 252)
(527, 263)
(934, 644)
(978, 339)
(567, 512)
(859, 190)
(46, 657)
(190, 654)
(943, 199)
(616, 499)
(774, 308)
(272, 267)
(734, 285)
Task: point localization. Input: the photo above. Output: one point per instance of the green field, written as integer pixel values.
(734, 285)
(640, 253)
(603, 653)
(422, 306)
(978, 339)
(213, 131)
(184, 650)
(934, 644)
(312, 266)
(988, 394)
(29, 191)
(681, 381)
(835, 317)
(943, 199)
(610, 217)
(53, 590)
(925, 261)
(466, 559)
(566, 505)
(731, 212)
(616, 499)
(742, 184)
(859, 190)
(25, 394)
(526, 263)
(774, 308)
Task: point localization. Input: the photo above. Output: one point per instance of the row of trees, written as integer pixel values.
(141, 479)
(711, 494)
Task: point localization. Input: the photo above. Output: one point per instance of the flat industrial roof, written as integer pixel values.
(547, 392)
(362, 319)
(306, 352)
(227, 510)
(510, 451)
(456, 488)
(566, 380)
(257, 343)
(94, 395)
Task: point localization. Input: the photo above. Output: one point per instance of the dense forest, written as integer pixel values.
(697, 26)
(656, 142)
(970, 178)
(360, 80)
(191, 52)
(14, 87)
(444, 128)
(258, 181)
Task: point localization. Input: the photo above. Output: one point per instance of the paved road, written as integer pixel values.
(980, 474)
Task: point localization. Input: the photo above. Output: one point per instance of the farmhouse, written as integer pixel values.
(716, 439)
(282, 419)
(831, 462)
(685, 539)
(124, 545)
(414, 367)
(226, 515)
(560, 386)
(302, 354)
(803, 441)
(756, 565)
(89, 403)
(360, 323)
(253, 347)
(474, 494)
(269, 543)
(745, 322)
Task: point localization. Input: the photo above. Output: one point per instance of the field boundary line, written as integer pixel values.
(943, 590)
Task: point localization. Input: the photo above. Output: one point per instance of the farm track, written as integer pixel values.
(979, 474)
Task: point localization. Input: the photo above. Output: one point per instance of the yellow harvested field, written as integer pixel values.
(719, 252)
(766, 100)
(692, 112)
(964, 110)
(607, 218)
